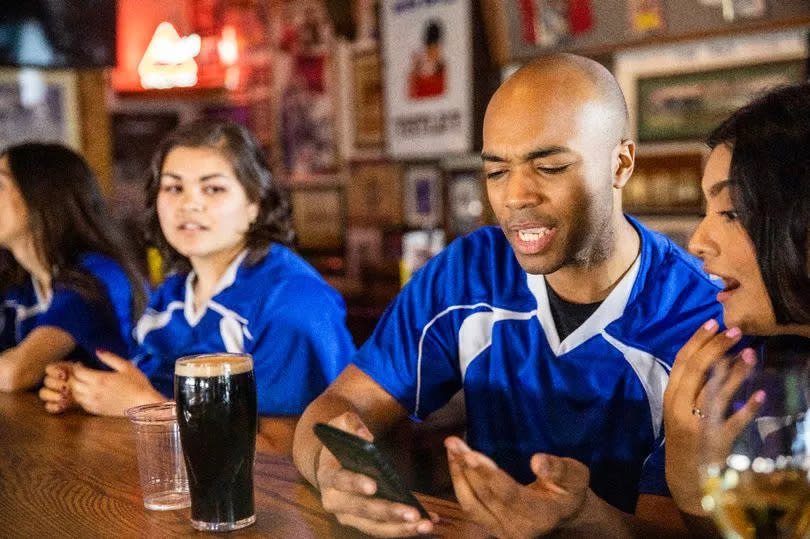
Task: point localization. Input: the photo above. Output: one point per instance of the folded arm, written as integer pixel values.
(23, 366)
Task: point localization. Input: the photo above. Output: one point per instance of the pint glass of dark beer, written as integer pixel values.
(216, 413)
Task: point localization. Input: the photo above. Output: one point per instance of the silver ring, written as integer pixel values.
(698, 412)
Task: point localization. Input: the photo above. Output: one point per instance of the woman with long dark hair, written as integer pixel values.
(68, 284)
(756, 237)
(224, 229)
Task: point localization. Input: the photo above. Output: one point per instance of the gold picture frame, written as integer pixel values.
(369, 125)
(318, 217)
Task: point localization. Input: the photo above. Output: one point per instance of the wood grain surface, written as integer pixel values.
(76, 475)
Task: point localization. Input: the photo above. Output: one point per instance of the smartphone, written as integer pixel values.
(362, 456)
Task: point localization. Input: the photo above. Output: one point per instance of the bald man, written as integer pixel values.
(560, 326)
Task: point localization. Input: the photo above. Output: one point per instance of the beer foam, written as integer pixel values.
(209, 365)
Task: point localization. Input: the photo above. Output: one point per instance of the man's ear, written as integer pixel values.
(624, 158)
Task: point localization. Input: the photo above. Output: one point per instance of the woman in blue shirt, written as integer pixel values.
(67, 287)
(224, 229)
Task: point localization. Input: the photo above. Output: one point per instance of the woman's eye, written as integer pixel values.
(171, 189)
(729, 215)
(213, 189)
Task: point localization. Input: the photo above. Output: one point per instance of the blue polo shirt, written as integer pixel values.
(472, 318)
(280, 310)
(105, 323)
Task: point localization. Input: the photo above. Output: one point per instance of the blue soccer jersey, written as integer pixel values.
(472, 318)
(104, 323)
(279, 310)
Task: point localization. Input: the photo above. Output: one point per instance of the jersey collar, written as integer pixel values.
(611, 308)
(227, 279)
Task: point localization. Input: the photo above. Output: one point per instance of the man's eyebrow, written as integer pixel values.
(717, 188)
(534, 154)
(492, 157)
(174, 176)
(545, 152)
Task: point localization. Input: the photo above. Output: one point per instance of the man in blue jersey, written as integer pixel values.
(560, 327)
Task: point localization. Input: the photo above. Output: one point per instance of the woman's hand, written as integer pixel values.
(684, 406)
(55, 391)
(112, 393)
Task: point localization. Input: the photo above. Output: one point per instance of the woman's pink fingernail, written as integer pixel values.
(748, 356)
(759, 396)
(710, 325)
(733, 333)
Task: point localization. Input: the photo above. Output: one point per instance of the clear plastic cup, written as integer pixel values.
(160, 458)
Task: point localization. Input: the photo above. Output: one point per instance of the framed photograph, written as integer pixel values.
(422, 196)
(39, 105)
(665, 183)
(318, 217)
(374, 194)
(368, 102)
(465, 202)
(364, 249)
(678, 228)
(687, 106)
(428, 79)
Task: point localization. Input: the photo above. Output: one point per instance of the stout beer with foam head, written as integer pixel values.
(216, 413)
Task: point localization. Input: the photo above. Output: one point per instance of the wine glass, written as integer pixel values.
(755, 472)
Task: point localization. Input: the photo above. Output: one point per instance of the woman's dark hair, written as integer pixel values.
(68, 218)
(770, 189)
(433, 32)
(274, 221)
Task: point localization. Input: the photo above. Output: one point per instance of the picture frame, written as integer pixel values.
(369, 125)
(364, 249)
(466, 202)
(666, 183)
(428, 79)
(422, 196)
(318, 217)
(687, 106)
(39, 105)
(374, 194)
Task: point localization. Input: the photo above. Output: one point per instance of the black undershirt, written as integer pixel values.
(568, 316)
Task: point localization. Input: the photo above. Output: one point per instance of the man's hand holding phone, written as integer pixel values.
(351, 496)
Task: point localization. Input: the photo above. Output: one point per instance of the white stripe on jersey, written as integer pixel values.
(475, 333)
(422, 340)
(652, 375)
(152, 320)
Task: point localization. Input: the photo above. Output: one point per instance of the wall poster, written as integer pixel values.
(428, 77)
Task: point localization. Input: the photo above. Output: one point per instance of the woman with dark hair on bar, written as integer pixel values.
(224, 229)
(68, 285)
(756, 237)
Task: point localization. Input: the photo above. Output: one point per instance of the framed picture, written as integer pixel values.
(428, 78)
(364, 249)
(318, 217)
(374, 194)
(687, 106)
(39, 105)
(422, 196)
(678, 228)
(304, 88)
(665, 183)
(465, 202)
(368, 103)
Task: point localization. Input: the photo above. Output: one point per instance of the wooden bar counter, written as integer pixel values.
(77, 476)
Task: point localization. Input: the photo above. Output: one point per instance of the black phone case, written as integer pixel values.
(361, 456)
